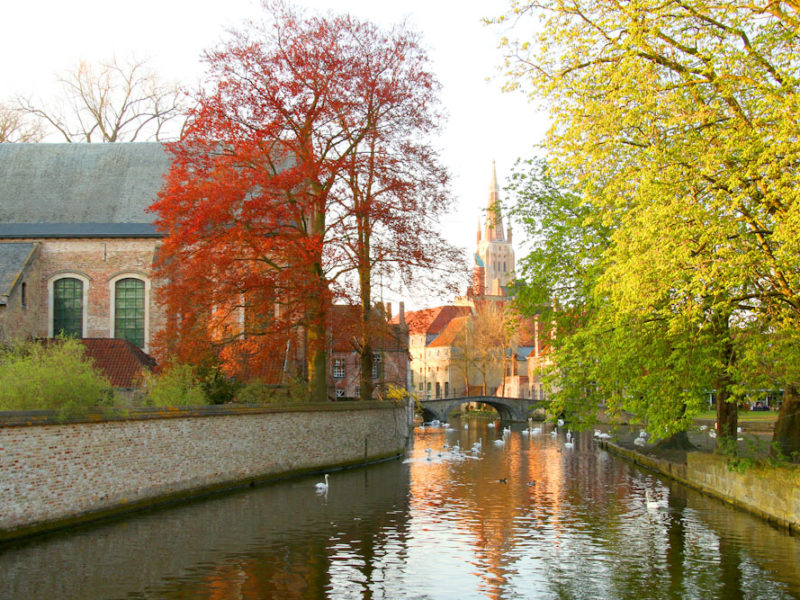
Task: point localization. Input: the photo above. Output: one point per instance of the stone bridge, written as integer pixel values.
(510, 409)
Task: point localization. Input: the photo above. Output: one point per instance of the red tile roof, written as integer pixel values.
(119, 360)
(451, 330)
(433, 320)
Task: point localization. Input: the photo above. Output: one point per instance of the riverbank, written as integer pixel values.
(58, 474)
(772, 493)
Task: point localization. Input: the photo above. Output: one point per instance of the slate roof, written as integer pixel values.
(47, 186)
(119, 360)
(14, 256)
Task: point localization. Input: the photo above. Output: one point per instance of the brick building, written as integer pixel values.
(76, 244)
(389, 341)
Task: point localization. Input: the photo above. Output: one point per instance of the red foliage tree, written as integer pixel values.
(305, 160)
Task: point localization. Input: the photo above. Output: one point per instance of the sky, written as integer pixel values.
(45, 37)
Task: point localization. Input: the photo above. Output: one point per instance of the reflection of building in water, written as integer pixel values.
(489, 513)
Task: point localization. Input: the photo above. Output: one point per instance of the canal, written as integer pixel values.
(528, 518)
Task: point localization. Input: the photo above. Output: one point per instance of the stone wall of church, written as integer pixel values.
(97, 261)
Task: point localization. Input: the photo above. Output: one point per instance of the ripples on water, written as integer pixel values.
(528, 519)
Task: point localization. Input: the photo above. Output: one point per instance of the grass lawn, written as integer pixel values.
(752, 416)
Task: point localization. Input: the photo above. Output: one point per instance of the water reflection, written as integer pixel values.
(531, 518)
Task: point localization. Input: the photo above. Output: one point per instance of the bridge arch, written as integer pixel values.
(509, 409)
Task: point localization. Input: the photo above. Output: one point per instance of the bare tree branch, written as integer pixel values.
(111, 102)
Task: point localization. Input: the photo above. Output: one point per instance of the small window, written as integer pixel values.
(340, 393)
(24, 295)
(338, 368)
(376, 365)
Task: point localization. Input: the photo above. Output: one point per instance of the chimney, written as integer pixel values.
(402, 314)
(388, 311)
(508, 234)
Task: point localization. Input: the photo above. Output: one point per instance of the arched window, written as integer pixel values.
(129, 310)
(68, 307)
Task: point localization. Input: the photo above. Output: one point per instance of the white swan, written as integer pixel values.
(323, 486)
(651, 503)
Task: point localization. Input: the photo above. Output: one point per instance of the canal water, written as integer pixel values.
(528, 518)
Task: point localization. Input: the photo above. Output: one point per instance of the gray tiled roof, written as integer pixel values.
(13, 258)
(80, 183)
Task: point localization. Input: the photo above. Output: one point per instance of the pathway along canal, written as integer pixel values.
(436, 525)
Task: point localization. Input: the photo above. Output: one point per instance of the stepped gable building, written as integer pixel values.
(76, 243)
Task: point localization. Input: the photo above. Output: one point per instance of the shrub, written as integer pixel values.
(53, 375)
(176, 385)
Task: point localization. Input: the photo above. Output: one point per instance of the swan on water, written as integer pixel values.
(323, 486)
(652, 503)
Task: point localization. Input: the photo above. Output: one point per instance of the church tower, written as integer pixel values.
(494, 260)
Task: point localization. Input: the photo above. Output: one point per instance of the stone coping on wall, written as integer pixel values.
(28, 418)
(770, 493)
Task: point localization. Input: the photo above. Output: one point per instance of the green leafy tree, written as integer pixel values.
(678, 123)
(176, 385)
(50, 376)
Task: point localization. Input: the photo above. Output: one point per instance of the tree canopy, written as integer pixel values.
(306, 160)
(676, 124)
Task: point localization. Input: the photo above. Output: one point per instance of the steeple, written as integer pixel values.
(494, 220)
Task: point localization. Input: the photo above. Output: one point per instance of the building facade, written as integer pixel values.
(77, 245)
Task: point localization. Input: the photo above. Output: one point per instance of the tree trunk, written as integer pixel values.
(317, 320)
(786, 438)
(316, 357)
(727, 411)
(727, 415)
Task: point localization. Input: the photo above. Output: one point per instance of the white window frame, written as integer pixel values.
(338, 368)
(112, 302)
(51, 299)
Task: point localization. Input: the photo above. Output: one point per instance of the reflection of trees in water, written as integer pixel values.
(581, 531)
(272, 537)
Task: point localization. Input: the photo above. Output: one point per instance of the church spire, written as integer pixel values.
(494, 220)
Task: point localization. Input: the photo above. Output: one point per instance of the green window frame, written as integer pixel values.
(68, 307)
(129, 310)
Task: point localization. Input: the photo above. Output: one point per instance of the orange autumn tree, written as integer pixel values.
(295, 141)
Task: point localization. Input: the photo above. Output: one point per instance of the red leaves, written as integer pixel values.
(306, 158)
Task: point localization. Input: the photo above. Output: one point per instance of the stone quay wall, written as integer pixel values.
(770, 492)
(58, 474)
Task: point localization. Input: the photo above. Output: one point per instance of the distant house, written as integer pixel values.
(430, 364)
(389, 341)
(76, 245)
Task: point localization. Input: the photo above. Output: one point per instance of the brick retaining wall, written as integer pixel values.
(53, 474)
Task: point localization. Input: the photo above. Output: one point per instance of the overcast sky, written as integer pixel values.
(44, 37)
